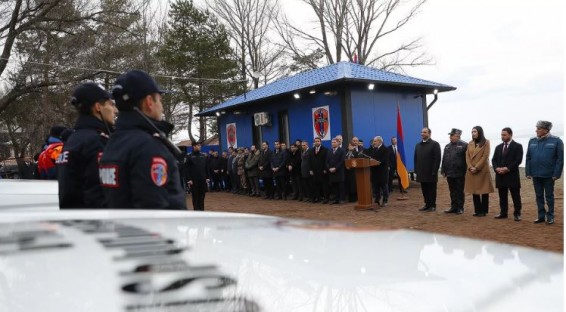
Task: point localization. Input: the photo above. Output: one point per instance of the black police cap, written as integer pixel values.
(89, 93)
(133, 86)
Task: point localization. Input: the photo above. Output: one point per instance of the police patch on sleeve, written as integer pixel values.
(108, 175)
(159, 171)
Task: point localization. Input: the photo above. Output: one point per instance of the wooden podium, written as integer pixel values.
(363, 180)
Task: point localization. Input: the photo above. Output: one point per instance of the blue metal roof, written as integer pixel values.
(324, 75)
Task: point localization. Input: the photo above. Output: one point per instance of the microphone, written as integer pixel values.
(364, 155)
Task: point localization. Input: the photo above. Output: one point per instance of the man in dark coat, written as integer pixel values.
(380, 173)
(306, 183)
(278, 159)
(335, 166)
(427, 163)
(225, 180)
(317, 159)
(393, 151)
(197, 174)
(214, 166)
(293, 164)
(505, 161)
(454, 170)
(265, 171)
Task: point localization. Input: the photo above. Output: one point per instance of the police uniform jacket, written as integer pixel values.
(454, 160)
(196, 167)
(77, 165)
(427, 161)
(137, 170)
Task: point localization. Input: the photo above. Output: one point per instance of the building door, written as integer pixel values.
(284, 127)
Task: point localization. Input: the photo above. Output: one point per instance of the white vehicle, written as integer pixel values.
(134, 260)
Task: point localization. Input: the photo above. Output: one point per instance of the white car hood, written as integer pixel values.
(190, 261)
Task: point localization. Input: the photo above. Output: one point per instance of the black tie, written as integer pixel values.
(505, 147)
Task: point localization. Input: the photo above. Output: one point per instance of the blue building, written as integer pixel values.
(343, 98)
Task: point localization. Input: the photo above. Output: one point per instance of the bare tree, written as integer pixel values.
(358, 29)
(249, 24)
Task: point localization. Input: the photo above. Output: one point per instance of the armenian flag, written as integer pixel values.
(401, 168)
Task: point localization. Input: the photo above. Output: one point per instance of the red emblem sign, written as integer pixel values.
(231, 132)
(321, 123)
(159, 171)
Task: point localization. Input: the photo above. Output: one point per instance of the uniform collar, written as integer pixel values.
(131, 119)
(90, 122)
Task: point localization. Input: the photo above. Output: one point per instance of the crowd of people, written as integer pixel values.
(127, 161)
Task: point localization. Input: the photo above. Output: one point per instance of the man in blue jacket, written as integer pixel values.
(545, 160)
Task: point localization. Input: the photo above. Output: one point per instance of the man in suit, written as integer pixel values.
(318, 171)
(278, 159)
(505, 161)
(306, 194)
(335, 165)
(380, 173)
(427, 163)
(454, 170)
(393, 166)
(265, 171)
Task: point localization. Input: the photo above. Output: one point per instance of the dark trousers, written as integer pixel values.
(198, 191)
(544, 189)
(254, 184)
(268, 185)
(281, 187)
(296, 186)
(320, 189)
(306, 188)
(216, 181)
(456, 187)
(336, 191)
(504, 200)
(429, 193)
(235, 182)
(226, 182)
(392, 176)
(481, 203)
(380, 189)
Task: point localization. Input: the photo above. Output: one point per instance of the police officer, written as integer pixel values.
(139, 165)
(454, 170)
(196, 166)
(79, 184)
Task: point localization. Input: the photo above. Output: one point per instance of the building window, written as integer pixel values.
(284, 126)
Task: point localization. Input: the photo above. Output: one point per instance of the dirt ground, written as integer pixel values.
(405, 214)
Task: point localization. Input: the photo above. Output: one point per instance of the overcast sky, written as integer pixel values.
(505, 57)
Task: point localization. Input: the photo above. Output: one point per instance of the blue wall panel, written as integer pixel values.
(375, 113)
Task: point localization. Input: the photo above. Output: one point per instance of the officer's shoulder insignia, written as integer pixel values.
(159, 171)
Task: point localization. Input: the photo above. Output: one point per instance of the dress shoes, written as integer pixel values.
(500, 216)
(517, 218)
(550, 221)
(451, 210)
(424, 208)
(539, 221)
(384, 204)
(335, 202)
(324, 202)
(460, 211)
